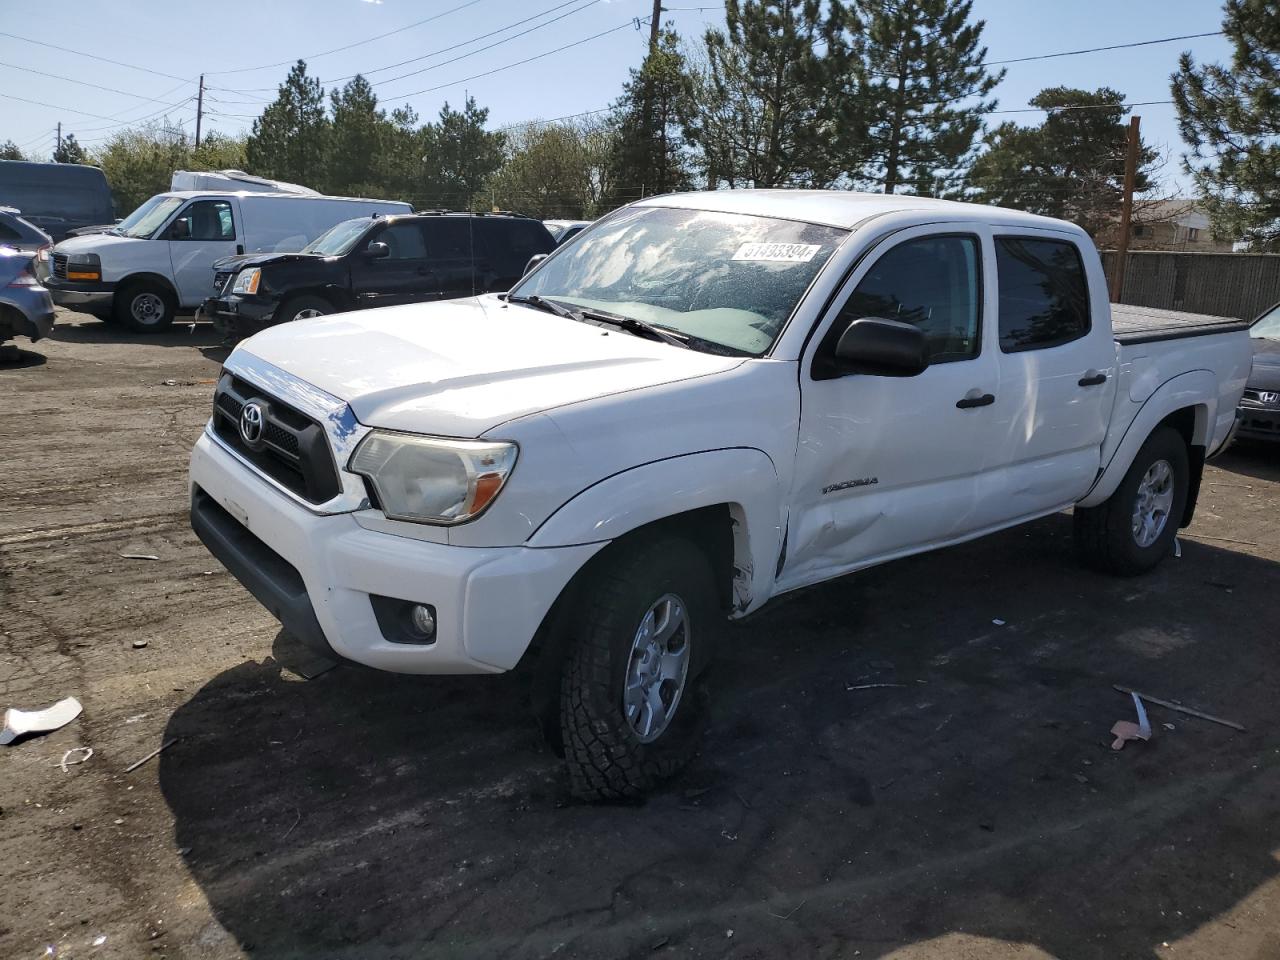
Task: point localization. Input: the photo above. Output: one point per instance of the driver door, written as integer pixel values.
(887, 465)
(202, 232)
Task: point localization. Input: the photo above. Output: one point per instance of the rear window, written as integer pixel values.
(510, 243)
(1044, 298)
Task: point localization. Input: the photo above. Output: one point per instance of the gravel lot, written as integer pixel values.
(972, 808)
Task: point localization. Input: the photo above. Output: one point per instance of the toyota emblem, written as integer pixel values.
(251, 421)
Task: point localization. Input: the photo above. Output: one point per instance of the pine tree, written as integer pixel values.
(649, 151)
(9, 151)
(1071, 166)
(776, 95)
(356, 135)
(70, 151)
(461, 155)
(290, 139)
(925, 90)
(1231, 118)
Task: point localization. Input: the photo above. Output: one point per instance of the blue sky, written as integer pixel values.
(184, 39)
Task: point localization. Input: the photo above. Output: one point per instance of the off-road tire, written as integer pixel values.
(605, 757)
(1104, 534)
(290, 309)
(123, 307)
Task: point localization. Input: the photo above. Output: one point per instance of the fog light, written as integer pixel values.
(423, 620)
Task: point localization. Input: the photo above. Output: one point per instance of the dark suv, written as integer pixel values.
(375, 262)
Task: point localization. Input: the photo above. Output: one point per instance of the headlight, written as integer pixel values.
(84, 266)
(247, 281)
(429, 480)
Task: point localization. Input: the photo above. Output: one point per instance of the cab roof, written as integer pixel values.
(845, 208)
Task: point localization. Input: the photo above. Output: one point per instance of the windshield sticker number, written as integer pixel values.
(777, 252)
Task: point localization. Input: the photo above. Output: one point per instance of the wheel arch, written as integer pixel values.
(158, 279)
(1188, 403)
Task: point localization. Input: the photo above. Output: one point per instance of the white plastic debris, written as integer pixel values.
(1128, 730)
(19, 723)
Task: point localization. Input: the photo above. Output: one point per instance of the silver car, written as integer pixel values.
(26, 308)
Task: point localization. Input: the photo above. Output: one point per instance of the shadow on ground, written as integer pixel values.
(364, 814)
(185, 332)
(15, 358)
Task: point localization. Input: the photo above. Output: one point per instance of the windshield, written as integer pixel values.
(339, 238)
(724, 278)
(1267, 326)
(149, 217)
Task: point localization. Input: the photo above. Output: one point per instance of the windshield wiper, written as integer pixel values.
(549, 306)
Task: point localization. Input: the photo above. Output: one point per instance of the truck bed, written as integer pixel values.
(1132, 324)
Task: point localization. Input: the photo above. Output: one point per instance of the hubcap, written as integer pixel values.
(147, 308)
(308, 313)
(1154, 501)
(657, 668)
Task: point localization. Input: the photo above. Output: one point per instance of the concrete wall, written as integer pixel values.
(1225, 284)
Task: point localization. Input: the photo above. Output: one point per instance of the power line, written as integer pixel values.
(94, 56)
(1115, 46)
(314, 56)
(83, 83)
(53, 106)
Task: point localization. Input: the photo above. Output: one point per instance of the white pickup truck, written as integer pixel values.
(705, 401)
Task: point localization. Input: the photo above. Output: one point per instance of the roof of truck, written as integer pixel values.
(845, 208)
(255, 194)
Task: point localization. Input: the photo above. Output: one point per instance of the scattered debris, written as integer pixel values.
(99, 941)
(873, 686)
(1128, 730)
(1177, 548)
(154, 753)
(790, 914)
(1168, 726)
(1172, 705)
(138, 556)
(998, 622)
(314, 668)
(1201, 536)
(66, 760)
(139, 644)
(19, 723)
(296, 820)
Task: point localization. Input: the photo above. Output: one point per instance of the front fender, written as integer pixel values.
(1197, 389)
(741, 477)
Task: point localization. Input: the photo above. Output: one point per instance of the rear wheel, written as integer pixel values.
(1134, 529)
(631, 702)
(303, 308)
(145, 307)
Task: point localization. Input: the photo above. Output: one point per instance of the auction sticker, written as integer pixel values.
(778, 252)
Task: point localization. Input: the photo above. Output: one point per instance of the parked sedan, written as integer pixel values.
(565, 230)
(26, 309)
(1260, 406)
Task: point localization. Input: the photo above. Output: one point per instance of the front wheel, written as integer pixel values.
(303, 308)
(631, 701)
(1134, 529)
(145, 307)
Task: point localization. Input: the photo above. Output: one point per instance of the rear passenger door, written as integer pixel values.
(451, 242)
(509, 242)
(404, 275)
(1057, 377)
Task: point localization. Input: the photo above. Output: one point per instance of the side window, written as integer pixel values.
(1044, 298)
(405, 241)
(8, 233)
(204, 220)
(933, 283)
(511, 242)
(449, 238)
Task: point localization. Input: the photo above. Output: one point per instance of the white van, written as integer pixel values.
(159, 259)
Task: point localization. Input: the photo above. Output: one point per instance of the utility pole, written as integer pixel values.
(1126, 210)
(199, 110)
(655, 24)
(58, 151)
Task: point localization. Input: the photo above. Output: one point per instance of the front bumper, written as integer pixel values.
(93, 298)
(30, 314)
(239, 315)
(316, 574)
(1257, 422)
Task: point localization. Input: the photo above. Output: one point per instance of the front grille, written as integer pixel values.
(1272, 398)
(60, 266)
(220, 279)
(292, 450)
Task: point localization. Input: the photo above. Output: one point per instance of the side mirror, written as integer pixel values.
(377, 251)
(883, 348)
(536, 259)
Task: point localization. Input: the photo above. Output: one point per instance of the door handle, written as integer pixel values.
(974, 400)
(1092, 378)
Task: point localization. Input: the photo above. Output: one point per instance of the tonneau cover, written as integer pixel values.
(1132, 324)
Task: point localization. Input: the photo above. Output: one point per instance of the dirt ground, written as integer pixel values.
(971, 808)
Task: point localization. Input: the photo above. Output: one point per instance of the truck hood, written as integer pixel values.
(240, 260)
(462, 367)
(1266, 364)
(95, 243)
